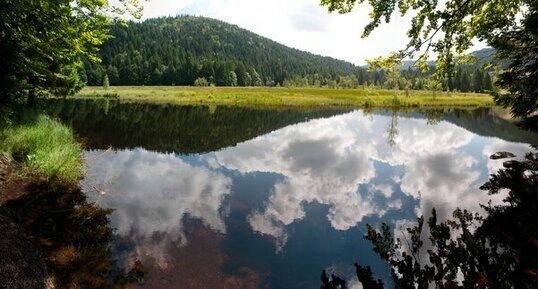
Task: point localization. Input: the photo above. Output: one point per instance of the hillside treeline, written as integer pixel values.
(180, 50)
(189, 50)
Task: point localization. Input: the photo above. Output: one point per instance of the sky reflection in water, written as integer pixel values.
(292, 202)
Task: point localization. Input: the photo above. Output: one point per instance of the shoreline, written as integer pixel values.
(21, 255)
(23, 252)
(281, 97)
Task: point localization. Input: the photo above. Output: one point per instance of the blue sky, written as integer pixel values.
(301, 24)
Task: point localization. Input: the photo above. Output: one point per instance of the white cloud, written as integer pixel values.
(159, 8)
(385, 189)
(519, 150)
(322, 160)
(301, 24)
(443, 181)
(152, 193)
(437, 172)
(415, 139)
(268, 226)
(311, 19)
(326, 160)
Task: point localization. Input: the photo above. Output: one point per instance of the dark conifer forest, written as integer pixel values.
(189, 50)
(180, 50)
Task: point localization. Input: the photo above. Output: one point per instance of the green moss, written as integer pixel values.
(45, 146)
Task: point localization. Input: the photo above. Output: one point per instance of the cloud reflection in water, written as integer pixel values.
(322, 161)
(152, 192)
(327, 160)
(330, 161)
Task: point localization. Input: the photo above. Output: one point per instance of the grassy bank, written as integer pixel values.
(286, 97)
(43, 146)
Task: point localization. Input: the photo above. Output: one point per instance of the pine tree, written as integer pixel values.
(477, 81)
(241, 73)
(232, 79)
(180, 54)
(465, 82)
(106, 83)
(488, 86)
(451, 86)
(256, 78)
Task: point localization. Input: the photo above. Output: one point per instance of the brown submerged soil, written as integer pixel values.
(22, 265)
(41, 247)
(198, 265)
(21, 262)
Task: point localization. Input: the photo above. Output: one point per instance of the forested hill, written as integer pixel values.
(180, 50)
(483, 56)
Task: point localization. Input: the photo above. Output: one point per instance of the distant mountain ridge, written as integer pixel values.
(179, 50)
(484, 56)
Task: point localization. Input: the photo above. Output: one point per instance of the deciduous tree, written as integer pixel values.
(447, 29)
(43, 42)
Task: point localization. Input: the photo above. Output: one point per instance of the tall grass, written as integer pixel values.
(286, 97)
(45, 146)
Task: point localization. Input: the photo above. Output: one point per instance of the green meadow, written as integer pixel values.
(288, 97)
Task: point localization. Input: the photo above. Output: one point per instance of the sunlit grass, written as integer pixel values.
(285, 97)
(44, 146)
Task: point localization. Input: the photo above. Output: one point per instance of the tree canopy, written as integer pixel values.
(447, 29)
(519, 81)
(42, 43)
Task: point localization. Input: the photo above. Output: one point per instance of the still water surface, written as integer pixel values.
(223, 197)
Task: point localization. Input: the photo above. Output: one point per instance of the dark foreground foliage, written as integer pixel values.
(499, 250)
(520, 88)
(72, 234)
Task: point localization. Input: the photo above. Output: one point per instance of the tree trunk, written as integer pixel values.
(31, 98)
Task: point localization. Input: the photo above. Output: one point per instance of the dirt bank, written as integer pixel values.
(21, 263)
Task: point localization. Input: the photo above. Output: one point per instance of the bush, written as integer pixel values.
(110, 95)
(201, 82)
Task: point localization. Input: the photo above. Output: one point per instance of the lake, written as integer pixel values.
(227, 197)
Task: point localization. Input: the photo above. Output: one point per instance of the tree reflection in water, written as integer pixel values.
(392, 130)
(73, 235)
(499, 250)
(186, 129)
